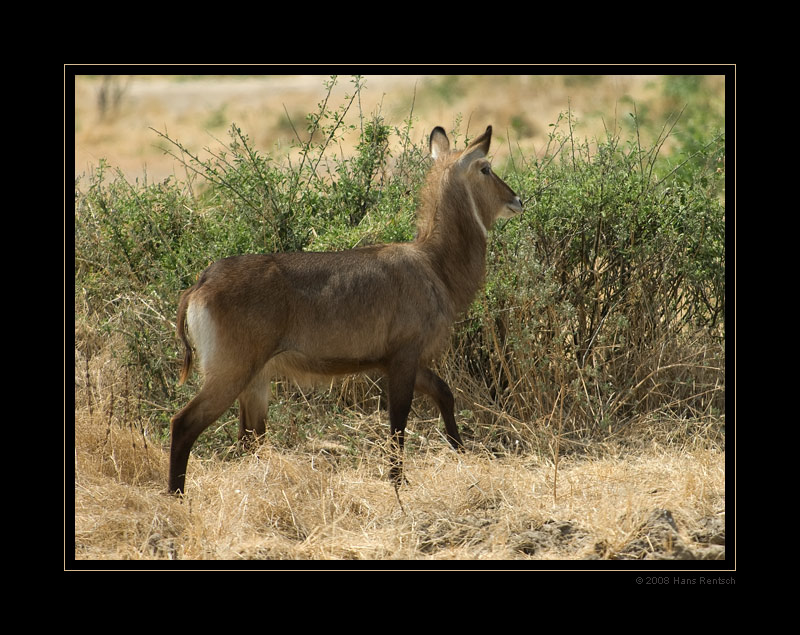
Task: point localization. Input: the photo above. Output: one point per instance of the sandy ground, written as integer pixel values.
(199, 111)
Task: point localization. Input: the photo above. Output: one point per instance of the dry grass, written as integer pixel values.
(321, 502)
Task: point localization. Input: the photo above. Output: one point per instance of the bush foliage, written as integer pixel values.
(604, 302)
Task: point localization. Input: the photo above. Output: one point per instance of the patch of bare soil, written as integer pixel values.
(661, 538)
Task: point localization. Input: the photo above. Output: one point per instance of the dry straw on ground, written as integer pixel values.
(321, 502)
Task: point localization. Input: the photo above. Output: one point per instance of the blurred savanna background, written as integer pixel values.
(589, 373)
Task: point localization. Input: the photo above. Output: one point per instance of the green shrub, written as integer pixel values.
(604, 301)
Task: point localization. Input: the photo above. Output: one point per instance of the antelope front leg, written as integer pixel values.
(401, 392)
(434, 386)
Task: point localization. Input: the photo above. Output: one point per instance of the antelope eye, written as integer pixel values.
(486, 169)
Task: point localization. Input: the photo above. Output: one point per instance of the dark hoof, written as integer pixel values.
(397, 477)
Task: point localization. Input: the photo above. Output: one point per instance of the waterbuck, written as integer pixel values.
(386, 307)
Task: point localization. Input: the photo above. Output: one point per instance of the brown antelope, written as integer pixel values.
(387, 307)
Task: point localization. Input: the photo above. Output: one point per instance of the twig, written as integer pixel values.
(560, 403)
(399, 502)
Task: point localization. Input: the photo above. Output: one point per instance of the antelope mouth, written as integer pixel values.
(513, 208)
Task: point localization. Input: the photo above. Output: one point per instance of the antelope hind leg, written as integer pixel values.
(254, 407)
(207, 406)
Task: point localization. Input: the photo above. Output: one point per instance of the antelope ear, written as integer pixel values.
(438, 144)
(479, 147)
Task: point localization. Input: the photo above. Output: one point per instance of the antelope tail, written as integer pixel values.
(187, 355)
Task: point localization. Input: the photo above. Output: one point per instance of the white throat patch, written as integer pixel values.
(477, 215)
